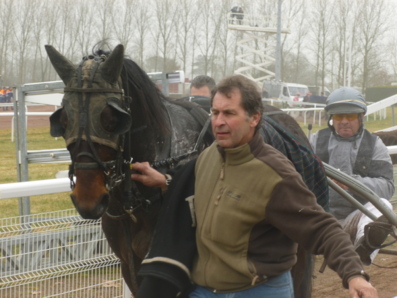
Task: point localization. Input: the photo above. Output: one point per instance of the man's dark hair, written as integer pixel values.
(203, 80)
(250, 97)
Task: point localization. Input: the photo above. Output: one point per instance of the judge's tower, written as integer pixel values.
(257, 39)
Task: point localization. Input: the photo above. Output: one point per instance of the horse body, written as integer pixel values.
(112, 115)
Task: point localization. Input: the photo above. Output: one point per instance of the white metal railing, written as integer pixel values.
(388, 129)
(57, 254)
(34, 188)
(377, 109)
(20, 233)
(49, 186)
(382, 104)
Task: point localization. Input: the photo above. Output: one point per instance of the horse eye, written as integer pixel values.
(109, 119)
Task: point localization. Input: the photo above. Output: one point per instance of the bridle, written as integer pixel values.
(117, 170)
(112, 169)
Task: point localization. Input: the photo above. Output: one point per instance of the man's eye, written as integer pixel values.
(229, 113)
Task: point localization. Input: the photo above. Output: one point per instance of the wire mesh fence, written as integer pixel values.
(56, 254)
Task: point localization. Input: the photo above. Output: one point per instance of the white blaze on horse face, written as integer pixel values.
(230, 124)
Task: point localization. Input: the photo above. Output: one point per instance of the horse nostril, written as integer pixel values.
(95, 211)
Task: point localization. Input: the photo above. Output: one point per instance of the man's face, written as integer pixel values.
(231, 125)
(346, 125)
(203, 91)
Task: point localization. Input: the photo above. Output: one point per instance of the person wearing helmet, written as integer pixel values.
(346, 145)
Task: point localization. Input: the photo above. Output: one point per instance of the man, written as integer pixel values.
(201, 88)
(349, 147)
(251, 208)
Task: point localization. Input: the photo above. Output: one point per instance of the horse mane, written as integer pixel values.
(138, 86)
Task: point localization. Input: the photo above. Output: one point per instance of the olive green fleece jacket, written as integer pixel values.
(252, 207)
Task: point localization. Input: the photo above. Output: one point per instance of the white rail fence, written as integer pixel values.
(56, 254)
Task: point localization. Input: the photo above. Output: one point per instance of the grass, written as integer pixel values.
(40, 139)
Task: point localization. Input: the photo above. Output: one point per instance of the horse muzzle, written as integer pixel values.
(90, 196)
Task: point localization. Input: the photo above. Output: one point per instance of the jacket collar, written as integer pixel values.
(243, 153)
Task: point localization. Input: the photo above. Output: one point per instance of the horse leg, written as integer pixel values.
(302, 274)
(118, 232)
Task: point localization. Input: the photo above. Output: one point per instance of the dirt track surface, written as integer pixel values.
(329, 285)
(325, 285)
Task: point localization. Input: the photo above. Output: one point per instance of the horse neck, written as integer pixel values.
(148, 138)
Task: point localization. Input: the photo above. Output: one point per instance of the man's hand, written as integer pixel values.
(360, 288)
(147, 175)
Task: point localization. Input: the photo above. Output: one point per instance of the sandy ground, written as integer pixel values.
(383, 273)
(326, 285)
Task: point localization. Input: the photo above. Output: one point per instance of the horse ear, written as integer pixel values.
(62, 65)
(112, 66)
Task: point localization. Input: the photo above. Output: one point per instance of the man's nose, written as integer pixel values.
(218, 120)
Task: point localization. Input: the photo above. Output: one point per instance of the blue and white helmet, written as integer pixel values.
(345, 101)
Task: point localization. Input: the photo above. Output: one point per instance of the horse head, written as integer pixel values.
(93, 120)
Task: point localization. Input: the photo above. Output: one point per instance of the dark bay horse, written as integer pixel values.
(112, 114)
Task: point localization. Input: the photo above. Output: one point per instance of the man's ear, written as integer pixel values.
(255, 118)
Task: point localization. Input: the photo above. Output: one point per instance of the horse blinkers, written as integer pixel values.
(58, 127)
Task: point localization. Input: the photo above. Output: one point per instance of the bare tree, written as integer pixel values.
(22, 33)
(84, 27)
(343, 17)
(105, 12)
(195, 35)
(321, 28)
(392, 50)
(123, 21)
(374, 17)
(187, 27)
(6, 21)
(294, 18)
(38, 27)
(166, 18)
(141, 22)
(224, 53)
(212, 15)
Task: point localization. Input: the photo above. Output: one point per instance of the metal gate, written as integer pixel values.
(57, 254)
